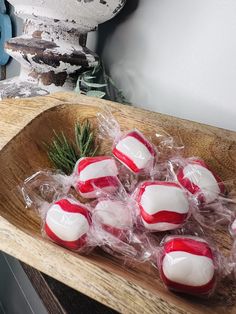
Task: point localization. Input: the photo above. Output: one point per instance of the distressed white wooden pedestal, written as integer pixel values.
(52, 50)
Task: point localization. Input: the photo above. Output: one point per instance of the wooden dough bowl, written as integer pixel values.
(134, 289)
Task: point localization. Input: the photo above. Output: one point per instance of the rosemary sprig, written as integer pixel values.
(64, 153)
(85, 139)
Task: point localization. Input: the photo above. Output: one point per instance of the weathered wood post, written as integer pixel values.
(52, 50)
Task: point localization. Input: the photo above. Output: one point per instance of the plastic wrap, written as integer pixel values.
(64, 220)
(68, 223)
(196, 177)
(114, 229)
(93, 176)
(161, 206)
(188, 265)
(152, 190)
(135, 151)
(214, 198)
(165, 206)
(114, 216)
(44, 187)
(107, 222)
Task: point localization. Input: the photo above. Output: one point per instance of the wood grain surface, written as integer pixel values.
(24, 125)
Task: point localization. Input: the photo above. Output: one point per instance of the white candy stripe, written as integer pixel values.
(160, 226)
(104, 168)
(114, 214)
(188, 269)
(135, 151)
(168, 238)
(66, 226)
(204, 179)
(157, 198)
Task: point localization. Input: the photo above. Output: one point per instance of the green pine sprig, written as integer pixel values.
(64, 153)
(85, 139)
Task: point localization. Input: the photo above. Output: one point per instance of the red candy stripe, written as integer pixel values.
(190, 186)
(116, 232)
(72, 245)
(91, 185)
(74, 208)
(163, 216)
(126, 160)
(188, 245)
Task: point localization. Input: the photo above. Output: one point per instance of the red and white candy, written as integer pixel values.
(114, 215)
(187, 265)
(198, 179)
(163, 205)
(67, 223)
(94, 174)
(134, 151)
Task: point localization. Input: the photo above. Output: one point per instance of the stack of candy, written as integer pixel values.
(119, 221)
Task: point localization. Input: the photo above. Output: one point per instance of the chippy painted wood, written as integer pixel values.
(128, 290)
(52, 49)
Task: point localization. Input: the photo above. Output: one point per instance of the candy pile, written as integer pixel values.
(119, 219)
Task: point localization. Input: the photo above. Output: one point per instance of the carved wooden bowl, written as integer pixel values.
(135, 289)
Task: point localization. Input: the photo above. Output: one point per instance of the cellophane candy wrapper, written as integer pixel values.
(196, 177)
(232, 232)
(161, 206)
(93, 176)
(213, 196)
(44, 187)
(68, 223)
(132, 148)
(113, 227)
(232, 224)
(232, 258)
(65, 220)
(189, 265)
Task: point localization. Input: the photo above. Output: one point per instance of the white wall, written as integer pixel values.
(173, 56)
(177, 57)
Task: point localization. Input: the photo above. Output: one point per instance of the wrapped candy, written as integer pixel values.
(213, 197)
(162, 205)
(92, 176)
(95, 173)
(113, 224)
(67, 223)
(195, 176)
(114, 216)
(113, 227)
(134, 151)
(65, 220)
(188, 265)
